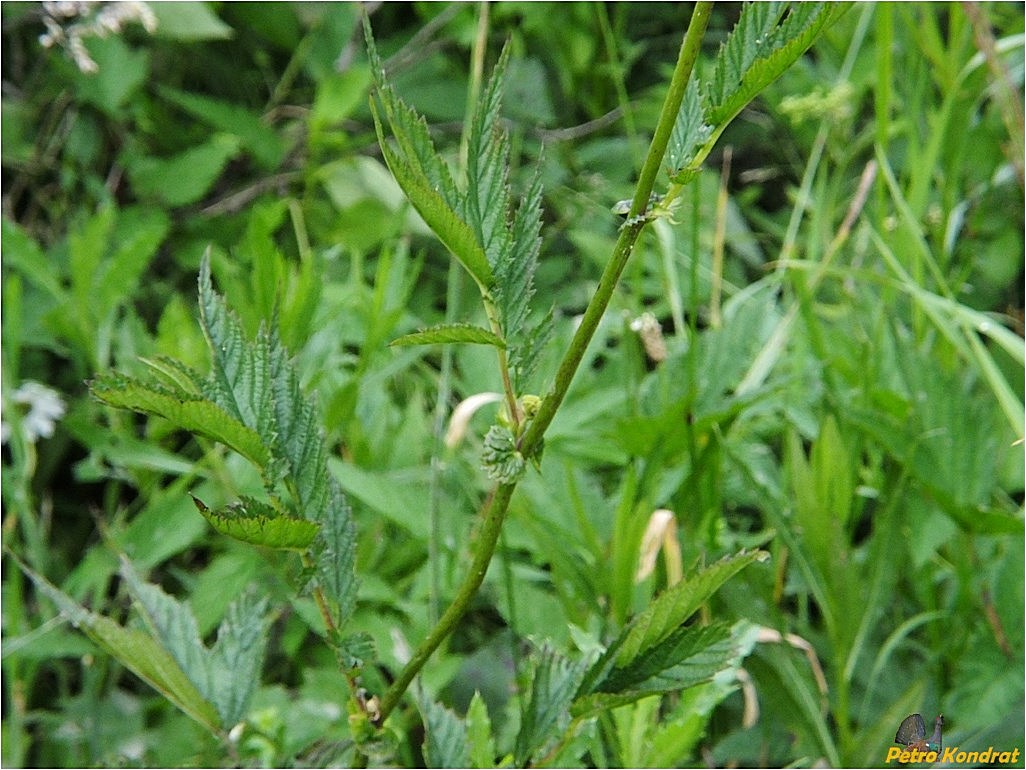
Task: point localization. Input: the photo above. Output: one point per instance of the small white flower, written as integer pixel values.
(45, 407)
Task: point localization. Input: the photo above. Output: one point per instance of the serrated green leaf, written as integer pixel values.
(335, 555)
(445, 736)
(487, 202)
(677, 603)
(226, 675)
(690, 133)
(686, 657)
(758, 51)
(183, 410)
(446, 333)
(436, 212)
(239, 377)
(137, 651)
(480, 744)
(553, 685)
(237, 657)
(257, 523)
(173, 623)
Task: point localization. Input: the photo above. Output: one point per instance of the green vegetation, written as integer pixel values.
(640, 390)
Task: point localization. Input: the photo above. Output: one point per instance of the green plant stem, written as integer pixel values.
(628, 234)
(495, 511)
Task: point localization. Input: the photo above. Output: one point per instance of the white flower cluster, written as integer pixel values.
(45, 407)
(69, 22)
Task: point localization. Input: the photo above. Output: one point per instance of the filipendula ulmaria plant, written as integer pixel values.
(251, 402)
(654, 653)
(494, 239)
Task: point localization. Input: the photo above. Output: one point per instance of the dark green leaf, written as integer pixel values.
(183, 178)
(265, 144)
(553, 686)
(677, 603)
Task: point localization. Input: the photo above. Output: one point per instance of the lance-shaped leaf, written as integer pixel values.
(480, 743)
(689, 135)
(422, 175)
(487, 201)
(439, 216)
(252, 521)
(137, 651)
(238, 380)
(183, 410)
(237, 657)
(676, 604)
(226, 674)
(446, 333)
(445, 736)
(688, 657)
(553, 686)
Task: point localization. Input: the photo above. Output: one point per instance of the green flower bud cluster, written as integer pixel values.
(500, 458)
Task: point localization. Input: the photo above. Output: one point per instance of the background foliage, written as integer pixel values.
(875, 374)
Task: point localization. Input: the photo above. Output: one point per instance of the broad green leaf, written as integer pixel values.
(183, 410)
(183, 178)
(677, 603)
(137, 651)
(189, 21)
(122, 70)
(480, 744)
(445, 736)
(445, 333)
(257, 523)
(553, 685)
(338, 95)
